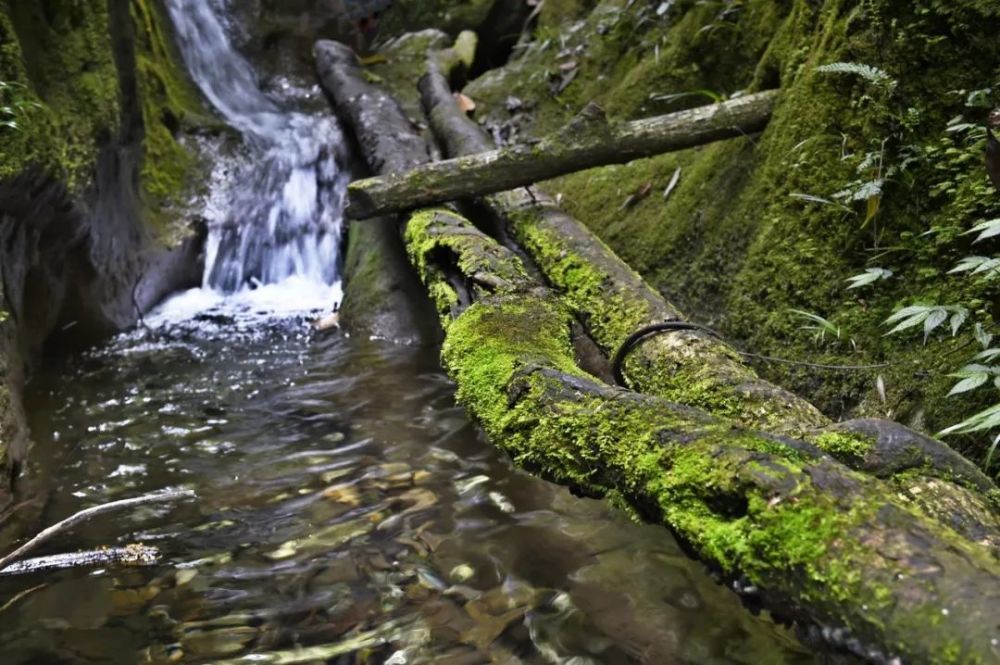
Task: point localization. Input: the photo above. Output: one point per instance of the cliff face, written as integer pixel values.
(866, 164)
(93, 100)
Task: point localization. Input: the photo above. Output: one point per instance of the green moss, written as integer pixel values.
(848, 448)
(585, 287)
(169, 102)
(491, 341)
(405, 61)
(555, 13)
(806, 529)
(448, 15)
(731, 245)
(434, 231)
(59, 56)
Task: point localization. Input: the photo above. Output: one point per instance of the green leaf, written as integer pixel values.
(869, 73)
(988, 229)
(971, 383)
(957, 320)
(867, 191)
(984, 420)
(820, 325)
(908, 311)
(911, 322)
(968, 264)
(934, 319)
(931, 316)
(988, 462)
(988, 355)
(984, 338)
(819, 199)
(869, 276)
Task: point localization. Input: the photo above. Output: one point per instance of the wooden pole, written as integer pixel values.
(588, 141)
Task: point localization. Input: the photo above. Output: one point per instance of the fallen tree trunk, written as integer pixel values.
(822, 541)
(379, 298)
(586, 142)
(697, 369)
(818, 538)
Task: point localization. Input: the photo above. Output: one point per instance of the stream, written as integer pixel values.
(348, 511)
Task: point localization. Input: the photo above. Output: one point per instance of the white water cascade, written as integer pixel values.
(282, 220)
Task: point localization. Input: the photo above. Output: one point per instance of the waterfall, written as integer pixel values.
(283, 217)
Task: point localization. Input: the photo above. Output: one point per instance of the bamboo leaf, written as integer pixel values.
(869, 276)
(907, 312)
(911, 322)
(984, 420)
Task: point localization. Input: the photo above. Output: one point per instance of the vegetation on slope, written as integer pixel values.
(63, 90)
(866, 166)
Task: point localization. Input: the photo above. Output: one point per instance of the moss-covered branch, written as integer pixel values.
(586, 142)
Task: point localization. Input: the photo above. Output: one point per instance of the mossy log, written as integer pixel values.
(588, 141)
(821, 541)
(379, 295)
(697, 369)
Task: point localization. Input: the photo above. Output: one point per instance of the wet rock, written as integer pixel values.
(461, 573)
(216, 643)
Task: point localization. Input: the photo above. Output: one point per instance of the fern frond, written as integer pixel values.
(871, 74)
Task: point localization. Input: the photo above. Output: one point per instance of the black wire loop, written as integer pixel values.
(648, 331)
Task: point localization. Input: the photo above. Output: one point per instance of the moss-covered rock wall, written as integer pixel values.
(92, 104)
(859, 169)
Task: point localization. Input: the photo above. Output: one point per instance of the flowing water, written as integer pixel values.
(283, 214)
(347, 510)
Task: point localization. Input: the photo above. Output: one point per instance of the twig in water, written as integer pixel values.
(10, 603)
(165, 496)
(129, 556)
(13, 510)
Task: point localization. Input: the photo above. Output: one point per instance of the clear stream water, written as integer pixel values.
(348, 511)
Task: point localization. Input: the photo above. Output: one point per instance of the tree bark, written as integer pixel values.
(822, 541)
(588, 141)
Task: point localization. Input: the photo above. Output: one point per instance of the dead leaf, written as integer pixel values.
(465, 103)
(672, 184)
(345, 494)
(880, 386)
(327, 322)
(637, 195)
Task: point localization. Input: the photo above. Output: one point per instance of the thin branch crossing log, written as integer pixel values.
(588, 141)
